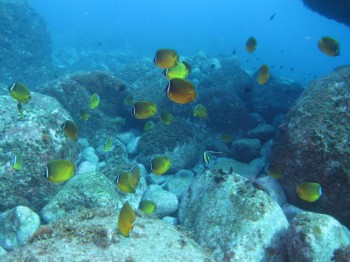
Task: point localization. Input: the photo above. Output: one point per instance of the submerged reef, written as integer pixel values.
(74, 92)
(25, 50)
(233, 219)
(92, 236)
(180, 141)
(313, 145)
(336, 9)
(37, 138)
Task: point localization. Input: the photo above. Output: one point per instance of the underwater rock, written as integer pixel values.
(93, 236)
(342, 254)
(25, 45)
(233, 219)
(228, 165)
(227, 77)
(116, 160)
(85, 167)
(273, 188)
(88, 155)
(17, 226)
(38, 138)
(245, 150)
(291, 211)
(227, 114)
(158, 180)
(2, 251)
(179, 141)
(166, 201)
(263, 132)
(315, 237)
(337, 9)
(132, 146)
(275, 97)
(179, 184)
(170, 220)
(83, 191)
(265, 150)
(74, 92)
(313, 145)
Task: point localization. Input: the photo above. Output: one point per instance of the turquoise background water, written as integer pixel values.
(288, 43)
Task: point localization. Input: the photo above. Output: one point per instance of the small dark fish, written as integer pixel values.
(206, 157)
(166, 58)
(250, 45)
(309, 192)
(70, 129)
(148, 206)
(263, 74)
(160, 165)
(181, 91)
(144, 109)
(272, 17)
(292, 69)
(16, 162)
(126, 219)
(329, 46)
(166, 117)
(59, 170)
(20, 92)
(234, 52)
(281, 67)
(181, 70)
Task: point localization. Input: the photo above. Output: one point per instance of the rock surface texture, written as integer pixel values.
(313, 145)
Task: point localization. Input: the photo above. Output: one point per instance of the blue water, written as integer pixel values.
(288, 43)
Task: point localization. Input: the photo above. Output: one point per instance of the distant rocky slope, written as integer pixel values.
(337, 9)
(25, 49)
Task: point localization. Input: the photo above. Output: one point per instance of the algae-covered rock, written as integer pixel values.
(245, 150)
(17, 226)
(313, 145)
(83, 191)
(74, 92)
(233, 219)
(93, 236)
(273, 98)
(315, 237)
(38, 138)
(25, 49)
(180, 142)
(263, 132)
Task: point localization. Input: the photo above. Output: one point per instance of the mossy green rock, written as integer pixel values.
(38, 137)
(313, 145)
(233, 219)
(83, 191)
(315, 237)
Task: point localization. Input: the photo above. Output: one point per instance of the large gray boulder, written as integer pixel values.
(313, 145)
(166, 202)
(83, 191)
(94, 237)
(315, 237)
(233, 219)
(17, 226)
(39, 138)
